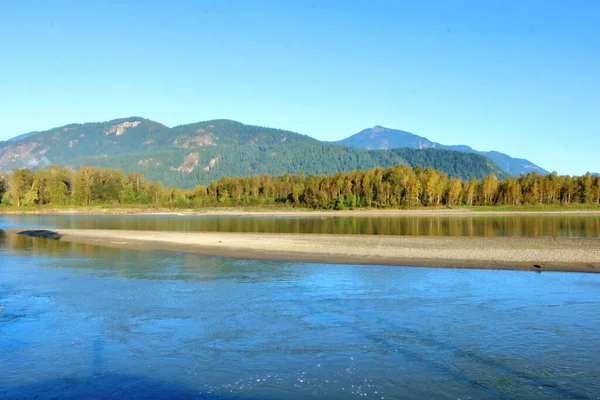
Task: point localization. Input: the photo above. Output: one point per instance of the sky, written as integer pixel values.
(520, 77)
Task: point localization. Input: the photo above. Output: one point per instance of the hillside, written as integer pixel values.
(202, 152)
(379, 137)
(23, 136)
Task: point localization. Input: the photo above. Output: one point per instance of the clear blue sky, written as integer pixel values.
(521, 77)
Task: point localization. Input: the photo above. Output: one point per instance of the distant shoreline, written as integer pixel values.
(530, 254)
(282, 212)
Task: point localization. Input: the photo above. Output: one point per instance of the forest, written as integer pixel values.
(395, 187)
(197, 154)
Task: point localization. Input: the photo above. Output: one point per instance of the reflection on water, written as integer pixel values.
(80, 321)
(564, 225)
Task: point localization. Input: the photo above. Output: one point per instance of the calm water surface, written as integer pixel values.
(80, 320)
(572, 225)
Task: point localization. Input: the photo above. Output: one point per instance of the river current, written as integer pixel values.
(80, 321)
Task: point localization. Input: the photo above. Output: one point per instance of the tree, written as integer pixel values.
(297, 191)
(397, 186)
(3, 187)
(470, 191)
(108, 185)
(413, 191)
(31, 197)
(155, 191)
(367, 188)
(21, 182)
(568, 191)
(314, 196)
(430, 182)
(454, 192)
(596, 190)
(83, 183)
(550, 188)
(509, 192)
(586, 190)
(489, 189)
(55, 184)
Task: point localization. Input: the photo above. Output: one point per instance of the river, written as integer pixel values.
(79, 320)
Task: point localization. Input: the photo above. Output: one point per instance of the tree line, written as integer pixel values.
(395, 187)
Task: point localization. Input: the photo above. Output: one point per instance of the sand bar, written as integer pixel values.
(536, 254)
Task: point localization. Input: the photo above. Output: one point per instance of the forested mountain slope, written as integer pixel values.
(379, 137)
(202, 152)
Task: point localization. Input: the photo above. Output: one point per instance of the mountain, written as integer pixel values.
(23, 136)
(202, 152)
(379, 137)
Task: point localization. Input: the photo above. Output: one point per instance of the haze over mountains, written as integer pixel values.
(202, 152)
(379, 137)
(23, 136)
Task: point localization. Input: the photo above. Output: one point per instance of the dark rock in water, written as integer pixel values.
(537, 265)
(41, 233)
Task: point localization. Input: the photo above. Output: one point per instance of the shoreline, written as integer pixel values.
(549, 254)
(235, 212)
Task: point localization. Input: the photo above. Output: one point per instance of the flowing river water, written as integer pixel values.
(80, 321)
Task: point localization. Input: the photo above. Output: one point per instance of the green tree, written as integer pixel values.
(568, 191)
(3, 187)
(55, 185)
(586, 188)
(21, 182)
(83, 184)
(596, 190)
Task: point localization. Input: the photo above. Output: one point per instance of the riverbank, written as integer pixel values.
(537, 254)
(289, 212)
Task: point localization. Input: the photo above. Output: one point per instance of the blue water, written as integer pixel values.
(84, 321)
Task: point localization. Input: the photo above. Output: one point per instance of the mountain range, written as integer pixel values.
(202, 152)
(379, 137)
